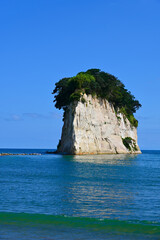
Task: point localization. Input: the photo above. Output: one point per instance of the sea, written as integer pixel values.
(93, 197)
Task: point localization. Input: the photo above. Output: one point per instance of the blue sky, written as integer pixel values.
(43, 41)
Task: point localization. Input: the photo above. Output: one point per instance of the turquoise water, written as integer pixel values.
(80, 197)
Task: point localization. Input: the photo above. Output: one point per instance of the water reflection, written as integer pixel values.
(109, 159)
(103, 201)
(101, 185)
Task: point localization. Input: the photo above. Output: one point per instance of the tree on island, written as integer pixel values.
(97, 83)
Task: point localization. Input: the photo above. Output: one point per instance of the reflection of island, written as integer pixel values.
(105, 158)
(103, 185)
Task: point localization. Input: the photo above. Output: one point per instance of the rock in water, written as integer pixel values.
(93, 127)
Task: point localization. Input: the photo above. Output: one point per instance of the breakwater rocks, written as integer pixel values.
(16, 154)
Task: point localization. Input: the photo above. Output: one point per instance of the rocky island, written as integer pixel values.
(98, 115)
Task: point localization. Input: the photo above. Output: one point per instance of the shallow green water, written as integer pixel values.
(80, 197)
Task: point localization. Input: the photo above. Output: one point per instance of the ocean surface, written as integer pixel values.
(54, 197)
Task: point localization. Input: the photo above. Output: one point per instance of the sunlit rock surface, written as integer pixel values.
(94, 128)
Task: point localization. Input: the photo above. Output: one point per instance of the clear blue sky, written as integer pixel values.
(42, 41)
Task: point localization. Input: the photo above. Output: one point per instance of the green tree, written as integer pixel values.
(101, 84)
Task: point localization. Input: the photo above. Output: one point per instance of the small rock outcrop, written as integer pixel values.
(93, 127)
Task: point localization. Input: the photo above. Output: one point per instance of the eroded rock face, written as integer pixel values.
(94, 128)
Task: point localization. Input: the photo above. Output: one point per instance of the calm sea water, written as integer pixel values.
(79, 197)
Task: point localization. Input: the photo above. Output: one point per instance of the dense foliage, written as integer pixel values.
(128, 142)
(97, 83)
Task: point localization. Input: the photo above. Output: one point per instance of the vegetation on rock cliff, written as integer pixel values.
(129, 142)
(101, 84)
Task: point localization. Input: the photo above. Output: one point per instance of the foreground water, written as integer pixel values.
(79, 197)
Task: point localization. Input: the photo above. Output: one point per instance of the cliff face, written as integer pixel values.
(94, 128)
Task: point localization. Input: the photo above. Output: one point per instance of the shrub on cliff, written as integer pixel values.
(101, 84)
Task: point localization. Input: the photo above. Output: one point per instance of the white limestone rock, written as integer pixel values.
(94, 128)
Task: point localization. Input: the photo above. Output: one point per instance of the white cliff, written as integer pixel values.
(93, 127)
